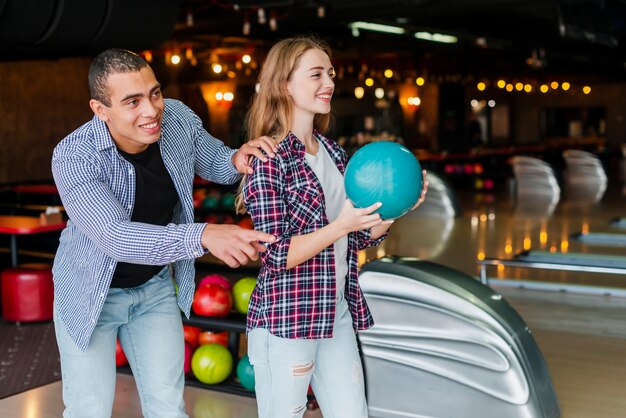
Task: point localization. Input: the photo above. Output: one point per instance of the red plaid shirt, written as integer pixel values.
(285, 199)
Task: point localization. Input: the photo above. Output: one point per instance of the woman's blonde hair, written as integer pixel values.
(271, 111)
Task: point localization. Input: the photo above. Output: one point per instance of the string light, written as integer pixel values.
(273, 23)
(245, 30)
(261, 16)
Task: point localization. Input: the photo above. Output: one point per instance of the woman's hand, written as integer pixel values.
(241, 158)
(357, 219)
(424, 190)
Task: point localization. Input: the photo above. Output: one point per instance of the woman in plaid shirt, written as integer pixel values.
(307, 304)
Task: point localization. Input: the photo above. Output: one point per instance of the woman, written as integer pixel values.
(307, 304)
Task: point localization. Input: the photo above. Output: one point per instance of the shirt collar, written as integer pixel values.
(102, 135)
(294, 143)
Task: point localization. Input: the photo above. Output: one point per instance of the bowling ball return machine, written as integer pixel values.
(446, 346)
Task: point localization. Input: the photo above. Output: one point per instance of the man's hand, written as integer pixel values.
(241, 159)
(233, 245)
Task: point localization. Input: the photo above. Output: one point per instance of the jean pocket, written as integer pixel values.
(258, 340)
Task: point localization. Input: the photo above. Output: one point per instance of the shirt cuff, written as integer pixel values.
(234, 172)
(193, 240)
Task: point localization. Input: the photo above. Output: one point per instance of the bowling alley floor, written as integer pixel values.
(581, 331)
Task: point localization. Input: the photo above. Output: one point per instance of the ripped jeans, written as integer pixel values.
(284, 368)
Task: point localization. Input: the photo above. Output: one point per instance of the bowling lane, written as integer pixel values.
(497, 227)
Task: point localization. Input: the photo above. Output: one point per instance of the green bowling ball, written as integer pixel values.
(211, 363)
(241, 293)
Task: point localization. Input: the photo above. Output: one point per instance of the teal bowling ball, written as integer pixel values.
(228, 201)
(384, 172)
(245, 373)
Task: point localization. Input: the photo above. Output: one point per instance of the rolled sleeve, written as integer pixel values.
(264, 200)
(364, 241)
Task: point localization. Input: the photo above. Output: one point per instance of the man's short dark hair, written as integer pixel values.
(111, 61)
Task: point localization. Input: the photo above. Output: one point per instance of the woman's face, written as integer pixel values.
(311, 84)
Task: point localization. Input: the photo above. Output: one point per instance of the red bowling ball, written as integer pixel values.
(209, 337)
(212, 300)
(188, 354)
(191, 335)
(217, 279)
(120, 357)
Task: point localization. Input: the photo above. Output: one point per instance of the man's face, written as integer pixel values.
(134, 117)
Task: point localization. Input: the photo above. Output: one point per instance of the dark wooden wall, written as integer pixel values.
(40, 103)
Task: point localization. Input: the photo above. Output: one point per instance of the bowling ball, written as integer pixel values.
(228, 201)
(212, 363)
(188, 354)
(241, 293)
(212, 300)
(384, 172)
(211, 201)
(217, 279)
(246, 222)
(191, 335)
(120, 357)
(245, 373)
(209, 337)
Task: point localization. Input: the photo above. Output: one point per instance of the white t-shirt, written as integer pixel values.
(334, 196)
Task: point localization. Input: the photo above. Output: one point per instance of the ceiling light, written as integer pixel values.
(437, 37)
(375, 27)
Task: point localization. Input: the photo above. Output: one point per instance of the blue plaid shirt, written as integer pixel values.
(97, 188)
(285, 199)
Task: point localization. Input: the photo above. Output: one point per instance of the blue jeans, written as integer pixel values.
(147, 320)
(284, 368)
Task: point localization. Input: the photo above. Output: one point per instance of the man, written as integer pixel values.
(125, 179)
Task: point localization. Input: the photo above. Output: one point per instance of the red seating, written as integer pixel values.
(27, 294)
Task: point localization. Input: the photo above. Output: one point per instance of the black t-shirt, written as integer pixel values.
(155, 199)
